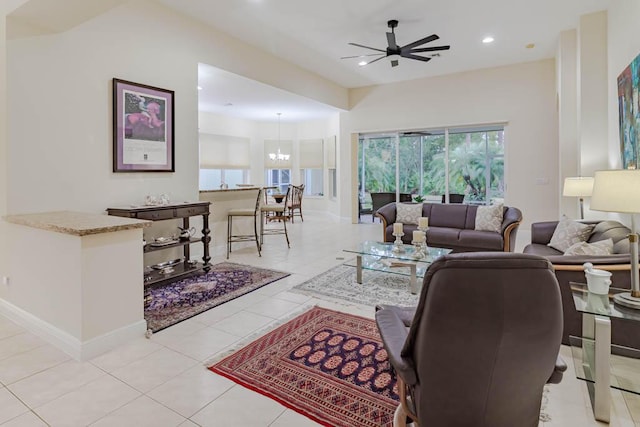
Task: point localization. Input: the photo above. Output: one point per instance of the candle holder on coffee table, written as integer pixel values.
(397, 245)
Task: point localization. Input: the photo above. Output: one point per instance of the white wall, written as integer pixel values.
(60, 97)
(521, 95)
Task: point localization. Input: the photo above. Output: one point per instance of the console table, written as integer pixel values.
(598, 362)
(166, 212)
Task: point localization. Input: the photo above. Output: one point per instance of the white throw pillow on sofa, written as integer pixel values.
(569, 232)
(489, 218)
(408, 213)
(602, 247)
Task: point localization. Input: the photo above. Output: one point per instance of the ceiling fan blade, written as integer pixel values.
(412, 56)
(429, 49)
(361, 56)
(394, 62)
(367, 47)
(391, 41)
(377, 59)
(410, 46)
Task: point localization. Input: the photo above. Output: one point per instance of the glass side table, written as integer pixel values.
(598, 362)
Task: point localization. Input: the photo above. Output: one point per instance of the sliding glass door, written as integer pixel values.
(433, 164)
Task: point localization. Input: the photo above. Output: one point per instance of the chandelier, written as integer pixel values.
(278, 156)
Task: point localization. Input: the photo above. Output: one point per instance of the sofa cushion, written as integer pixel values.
(408, 213)
(443, 236)
(487, 240)
(449, 216)
(601, 247)
(489, 218)
(569, 232)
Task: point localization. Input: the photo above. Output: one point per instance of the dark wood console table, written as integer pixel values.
(165, 212)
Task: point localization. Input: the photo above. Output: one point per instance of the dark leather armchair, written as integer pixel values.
(481, 344)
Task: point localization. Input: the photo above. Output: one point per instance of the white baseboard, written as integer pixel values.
(79, 350)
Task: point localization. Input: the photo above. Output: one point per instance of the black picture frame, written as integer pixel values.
(143, 128)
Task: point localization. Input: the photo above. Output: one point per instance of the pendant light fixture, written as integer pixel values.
(278, 156)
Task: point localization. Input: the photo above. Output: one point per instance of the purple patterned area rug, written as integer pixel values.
(174, 302)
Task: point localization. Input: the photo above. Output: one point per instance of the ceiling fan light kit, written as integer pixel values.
(394, 51)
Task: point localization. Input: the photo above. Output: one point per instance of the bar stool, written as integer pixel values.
(275, 212)
(234, 238)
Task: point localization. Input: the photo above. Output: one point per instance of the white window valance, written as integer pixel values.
(311, 154)
(224, 152)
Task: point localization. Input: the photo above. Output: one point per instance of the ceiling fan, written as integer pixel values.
(407, 51)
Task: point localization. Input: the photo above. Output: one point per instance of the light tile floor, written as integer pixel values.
(162, 381)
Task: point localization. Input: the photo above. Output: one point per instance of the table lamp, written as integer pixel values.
(619, 191)
(580, 186)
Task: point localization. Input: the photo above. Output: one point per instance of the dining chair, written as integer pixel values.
(278, 213)
(295, 204)
(235, 238)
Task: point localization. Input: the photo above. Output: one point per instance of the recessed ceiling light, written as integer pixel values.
(487, 40)
(199, 87)
(228, 104)
(361, 63)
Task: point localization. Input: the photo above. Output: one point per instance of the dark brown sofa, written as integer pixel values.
(569, 269)
(452, 226)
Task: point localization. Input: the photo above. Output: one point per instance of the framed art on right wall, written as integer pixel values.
(629, 113)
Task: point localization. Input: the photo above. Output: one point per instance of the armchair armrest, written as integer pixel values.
(394, 333)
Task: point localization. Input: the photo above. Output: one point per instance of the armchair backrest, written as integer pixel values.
(484, 340)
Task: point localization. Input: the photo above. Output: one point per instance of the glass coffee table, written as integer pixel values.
(598, 362)
(379, 256)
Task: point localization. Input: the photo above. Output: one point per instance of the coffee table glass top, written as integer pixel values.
(380, 257)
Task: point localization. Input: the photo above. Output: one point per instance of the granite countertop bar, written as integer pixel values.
(234, 189)
(77, 223)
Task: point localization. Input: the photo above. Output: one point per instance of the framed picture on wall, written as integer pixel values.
(143, 128)
(628, 88)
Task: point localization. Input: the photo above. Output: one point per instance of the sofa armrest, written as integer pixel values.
(387, 213)
(541, 232)
(510, 223)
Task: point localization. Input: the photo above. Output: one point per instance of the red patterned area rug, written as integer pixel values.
(326, 365)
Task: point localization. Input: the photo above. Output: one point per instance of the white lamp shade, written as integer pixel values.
(578, 186)
(616, 191)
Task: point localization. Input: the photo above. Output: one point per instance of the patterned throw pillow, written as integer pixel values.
(602, 247)
(569, 232)
(408, 213)
(489, 218)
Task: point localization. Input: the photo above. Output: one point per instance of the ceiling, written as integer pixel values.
(315, 34)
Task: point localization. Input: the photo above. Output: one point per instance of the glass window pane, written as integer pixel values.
(285, 177)
(313, 182)
(411, 164)
(210, 179)
(377, 164)
(433, 159)
(233, 177)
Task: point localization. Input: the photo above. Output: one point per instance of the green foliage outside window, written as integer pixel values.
(422, 164)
